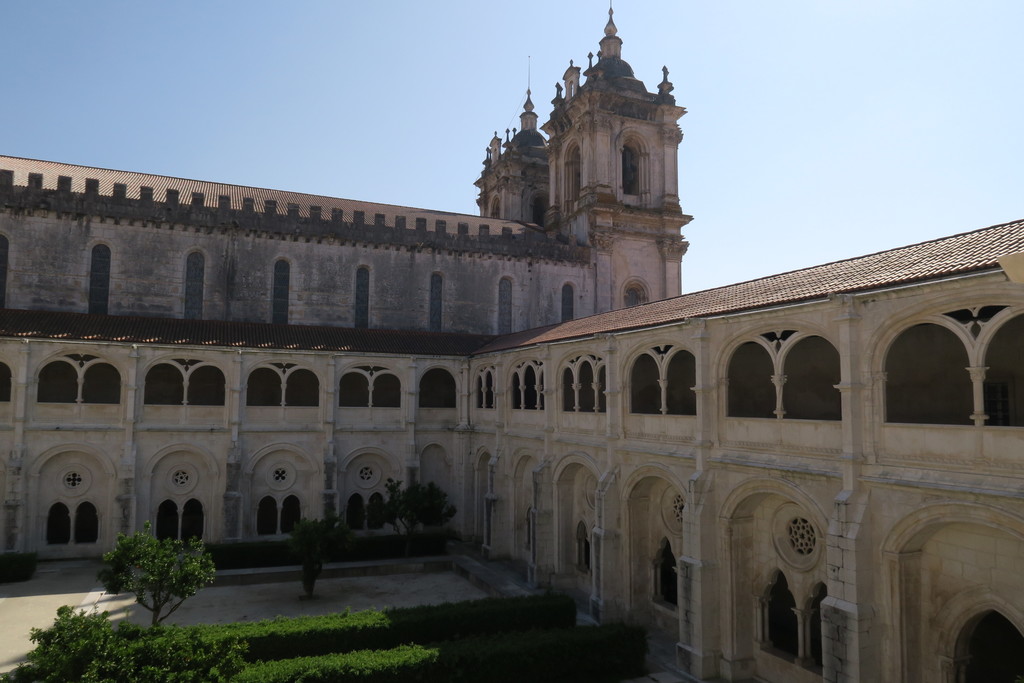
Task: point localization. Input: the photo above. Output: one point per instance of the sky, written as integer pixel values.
(817, 130)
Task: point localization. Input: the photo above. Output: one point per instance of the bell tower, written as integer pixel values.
(612, 161)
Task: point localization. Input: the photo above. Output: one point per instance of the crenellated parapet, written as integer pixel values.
(269, 214)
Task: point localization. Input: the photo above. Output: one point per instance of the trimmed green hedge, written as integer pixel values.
(599, 654)
(277, 554)
(17, 567)
(375, 630)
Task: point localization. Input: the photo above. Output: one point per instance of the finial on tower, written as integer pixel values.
(529, 103)
(609, 28)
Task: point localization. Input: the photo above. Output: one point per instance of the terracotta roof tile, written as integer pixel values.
(964, 253)
(134, 330)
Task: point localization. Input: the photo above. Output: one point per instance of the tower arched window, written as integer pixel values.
(504, 306)
(362, 313)
(630, 170)
(634, 296)
(195, 271)
(572, 177)
(538, 208)
(279, 303)
(436, 286)
(99, 279)
(568, 302)
(495, 211)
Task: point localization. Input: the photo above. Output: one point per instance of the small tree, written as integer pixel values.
(417, 504)
(315, 541)
(161, 573)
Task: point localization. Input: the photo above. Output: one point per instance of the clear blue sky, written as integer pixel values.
(818, 129)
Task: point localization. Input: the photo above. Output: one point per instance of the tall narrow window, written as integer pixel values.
(572, 177)
(362, 297)
(504, 306)
(279, 311)
(568, 302)
(436, 283)
(195, 270)
(4, 248)
(630, 171)
(99, 279)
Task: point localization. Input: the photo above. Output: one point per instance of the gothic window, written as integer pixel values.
(812, 373)
(191, 520)
(387, 391)
(58, 383)
(504, 306)
(644, 387)
(583, 385)
(527, 385)
(58, 525)
(485, 390)
(667, 586)
(568, 302)
(354, 390)
(1003, 390)
(436, 284)
(926, 378)
(587, 400)
(87, 523)
(4, 250)
(302, 388)
(99, 279)
(101, 384)
(291, 512)
(263, 388)
(751, 392)
(266, 516)
(681, 377)
(362, 317)
(783, 632)
(630, 170)
(437, 389)
(167, 520)
(369, 387)
(582, 548)
(993, 650)
(206, 386)
(634, 296)
(165, 385)
(195, 272)
(572, 177)
(355, 513)
(5, 383)
(279, 300)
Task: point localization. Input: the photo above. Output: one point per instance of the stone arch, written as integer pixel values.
(438, 388)
(181, 473)
(633, 174)
(635, 291)
(1003, 387)
(70, 475)
(811, 365)
(523, 532)
(749, 370)
(575, 487)
(364, 472)
(927, 380)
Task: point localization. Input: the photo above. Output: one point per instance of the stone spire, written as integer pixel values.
(611, 44)
(528, 119)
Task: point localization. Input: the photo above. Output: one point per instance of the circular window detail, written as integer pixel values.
(590, 491)
(672, 507)
(677, 508)
(72, 479)
(280, 476)
(182, 478)
(367, 476)
(801, 536)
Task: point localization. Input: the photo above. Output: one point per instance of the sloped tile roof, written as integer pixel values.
(50, 170)
(958, 254)
(136, 330)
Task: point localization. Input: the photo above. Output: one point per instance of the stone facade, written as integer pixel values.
(798, 485)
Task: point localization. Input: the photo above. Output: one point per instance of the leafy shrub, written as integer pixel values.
(86, 647)
(375, 630)
(602, 654)
(277, 553)
(17, 567)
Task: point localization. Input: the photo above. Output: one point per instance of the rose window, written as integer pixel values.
(366, 473)
(801, 536)
(181, 478)
(677, 508)
(280, 474)
(72, 480)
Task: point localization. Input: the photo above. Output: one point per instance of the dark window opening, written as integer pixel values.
(355, 514)
(751, 391)
(644, 387)
(635, 295)
(681, 376)
(165, 386)
(5, 383)
(87, 523)
(386, 392)
(1004, 401)
(504, 306)
(279, 304)
(815, 623)
(206, 386)
(4, 251)
(538, 209)
(436, 286)
(667, 585)
(782, 620)
(167, 520)
(927, 381)
(99, 279)
(997, 403)
(375, 512)
(582, 548)
(568, 302)
(263, 388)
(302, 388)
(58, 525)
(58, 383)
(995, 651)
(354, 390)
(587, 393)
(630, 171)
(195, 272)
(192, 520)
(812, 373)
(101, 384)
(266, 516)
(437, 389)
(291, 512)
(362, 317)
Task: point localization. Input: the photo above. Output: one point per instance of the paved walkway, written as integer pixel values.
(238, 597)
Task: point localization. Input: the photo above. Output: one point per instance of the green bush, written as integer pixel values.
(17, 567)
(374, 630)
(277, 554)
(602, 654)
(86, 647)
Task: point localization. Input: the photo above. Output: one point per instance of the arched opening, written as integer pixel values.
(812, 373)
(375, 512)
(667, 584)
(568, 302)
(165, 386)
(354, 390)
(634, 296)
(206, 386)
(517, 391)
(192, 519)
(279, 295)
(437, 389)
(814, 625)
(572, 177)
(783, 631)
(568, 391)
(587, 401)
(599, 389)
(195, 268)
(1004, 379)
(355, 513)
(101, 384)
(582, 547)
(926, 378)
(504, 306)
(485, 390)
(5, 383)
(538, 208)
(263, 388)
(266, 516)
(362, 308)
(630, 170)
(291, 512)
(387, 391)
(87, 523)
(531, 393)
(751, 392)
(302, 388)
(495, 211)
(58, 525)
(58, 383)
(681, 378)
(644, 387)
(99, 279)
(995, 649)
(167, 520)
